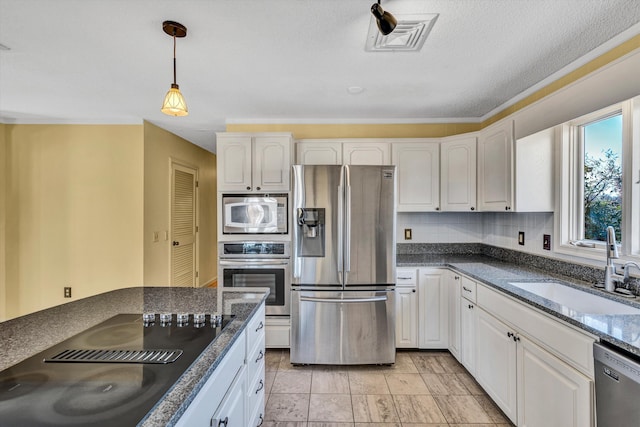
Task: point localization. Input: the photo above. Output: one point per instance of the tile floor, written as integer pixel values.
(423, 388)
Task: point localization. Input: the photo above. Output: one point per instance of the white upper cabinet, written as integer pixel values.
(253, 162)
(418, 175)
(458, 174)
(318, 153)
(515, 176)
(495, 167)
(366, 153)
(534, 172)
(343, 152)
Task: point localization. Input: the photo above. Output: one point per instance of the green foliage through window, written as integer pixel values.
(602, 177)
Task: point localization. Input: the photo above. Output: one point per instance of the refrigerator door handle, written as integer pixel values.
(341, 300)
(340, 228)
(347, 221)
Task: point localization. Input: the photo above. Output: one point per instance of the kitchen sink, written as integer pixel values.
(575, 299)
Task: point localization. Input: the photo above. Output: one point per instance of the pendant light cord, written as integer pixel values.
(174, 57)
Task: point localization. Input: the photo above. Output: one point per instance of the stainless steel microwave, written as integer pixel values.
(254, 213)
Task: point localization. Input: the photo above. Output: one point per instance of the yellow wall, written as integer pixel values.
(74, 212)
(3, 238)
(162, 147)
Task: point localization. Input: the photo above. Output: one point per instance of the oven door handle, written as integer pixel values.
(347, 300)
(250, 262)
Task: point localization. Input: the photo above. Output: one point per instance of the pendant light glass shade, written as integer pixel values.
(386, 21)
(174, 103)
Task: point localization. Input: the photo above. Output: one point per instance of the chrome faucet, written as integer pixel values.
(610, 276)
(626, 270)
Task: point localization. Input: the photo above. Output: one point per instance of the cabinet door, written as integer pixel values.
(458, 175)
(495, 168)
(433, 319)
(534, 172)
(366, 153)
(452, 282)
(406, 317)
(468, 335)
(271, 163)
(234, 163)
(496, 362)
(319, 153)
(232, 410)
(418, 176)
(550, 392)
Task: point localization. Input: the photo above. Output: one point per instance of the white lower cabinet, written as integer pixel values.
(433, 309)
(232, 410)
(452, 282)
(496, 362)
(468, 311)
(406, 317)
(533, 367)
(234, 394)
(550, 392)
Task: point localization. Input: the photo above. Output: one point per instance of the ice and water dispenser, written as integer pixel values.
(311, 241)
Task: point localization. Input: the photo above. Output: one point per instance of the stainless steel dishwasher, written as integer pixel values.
(617, 387)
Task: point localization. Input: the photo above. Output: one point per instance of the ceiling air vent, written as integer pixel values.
(408, 36)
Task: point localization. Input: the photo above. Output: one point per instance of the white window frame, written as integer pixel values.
(569, 221)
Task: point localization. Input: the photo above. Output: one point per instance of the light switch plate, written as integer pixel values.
(407, 234)
(521, 238)
(546, 242)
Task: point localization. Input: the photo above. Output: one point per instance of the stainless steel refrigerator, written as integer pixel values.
(343, 263)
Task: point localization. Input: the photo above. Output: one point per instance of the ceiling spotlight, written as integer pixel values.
(174, 103)
(386, 22)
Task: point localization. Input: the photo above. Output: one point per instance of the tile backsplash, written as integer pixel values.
(492, 228)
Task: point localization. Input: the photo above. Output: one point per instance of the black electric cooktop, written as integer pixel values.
(112, 374)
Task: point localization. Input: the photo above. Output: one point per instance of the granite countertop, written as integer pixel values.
(621, 330)
(25, 336)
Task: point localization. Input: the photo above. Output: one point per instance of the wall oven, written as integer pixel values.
(254, 213)
(258, 264)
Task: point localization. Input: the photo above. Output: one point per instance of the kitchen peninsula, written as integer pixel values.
(28, 335)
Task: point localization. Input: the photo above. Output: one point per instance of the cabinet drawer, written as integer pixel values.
(255, 359)
(255, 394)
(572, 346)
(255, 329)
(406, 277)
(278, 331)
(210, 396)
(468, 288)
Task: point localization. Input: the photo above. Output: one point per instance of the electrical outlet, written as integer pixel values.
(67, 291)
(407, 234)
(546, 242)
(521, 238)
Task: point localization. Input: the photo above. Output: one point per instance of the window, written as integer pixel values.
(598, 155)
(601, 145)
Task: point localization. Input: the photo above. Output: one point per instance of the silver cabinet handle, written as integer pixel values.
(260, 356)
(466, 289)
(261, 387)
(260, 326)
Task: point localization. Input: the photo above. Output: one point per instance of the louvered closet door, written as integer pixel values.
(183, 226)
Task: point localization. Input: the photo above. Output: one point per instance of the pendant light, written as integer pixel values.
(174, 103)
(386, 21)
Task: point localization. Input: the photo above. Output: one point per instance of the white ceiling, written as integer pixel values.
(288, 61)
